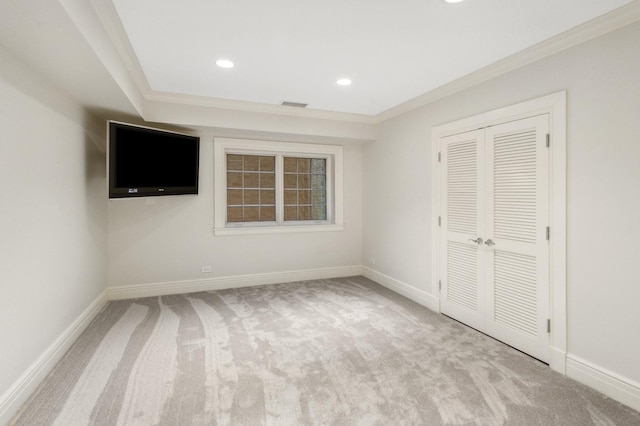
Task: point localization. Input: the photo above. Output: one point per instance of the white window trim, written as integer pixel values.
(335, 193)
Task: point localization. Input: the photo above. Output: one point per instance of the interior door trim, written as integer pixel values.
(554, 105)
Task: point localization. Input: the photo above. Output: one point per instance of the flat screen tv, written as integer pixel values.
(145, 162)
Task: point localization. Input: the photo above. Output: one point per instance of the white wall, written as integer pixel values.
(172, 239)
(603, 179)
(52, 217)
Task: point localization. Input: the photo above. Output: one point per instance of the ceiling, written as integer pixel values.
(155, 59)
(295, 50)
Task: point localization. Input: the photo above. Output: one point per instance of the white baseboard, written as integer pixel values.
(219, 283)
(21, 390)
(419, 296)
(609, 383)
(558, 361)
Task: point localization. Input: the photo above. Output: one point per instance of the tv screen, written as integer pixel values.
(150, 162)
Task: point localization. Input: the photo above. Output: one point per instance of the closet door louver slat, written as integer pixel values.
(515, 300)
(461, 273)
(517, 189)
(462, 197)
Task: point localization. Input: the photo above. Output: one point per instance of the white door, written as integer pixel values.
(462, 201)
(517, 217)
(511, 265)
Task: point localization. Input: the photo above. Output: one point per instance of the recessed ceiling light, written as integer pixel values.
(453, 1)
(224, 63)
(343, 82)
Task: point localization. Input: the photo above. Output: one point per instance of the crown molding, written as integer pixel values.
(596, 27)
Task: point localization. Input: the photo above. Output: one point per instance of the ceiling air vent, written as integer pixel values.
(294, 104)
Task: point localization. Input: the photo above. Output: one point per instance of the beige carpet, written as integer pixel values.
(327, 352)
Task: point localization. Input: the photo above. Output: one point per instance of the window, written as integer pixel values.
(264, 187)
(251, 194)
(305, 188)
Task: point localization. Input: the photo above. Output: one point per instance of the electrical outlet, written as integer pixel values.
(206, 269)
(372, 261)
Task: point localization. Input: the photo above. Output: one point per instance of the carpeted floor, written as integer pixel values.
(327, 352)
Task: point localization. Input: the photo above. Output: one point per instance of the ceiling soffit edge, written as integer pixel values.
(112, 25)
(242, 120)
(255, 107)
(90, 27)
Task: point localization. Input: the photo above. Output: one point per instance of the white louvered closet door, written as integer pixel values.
(494, 186)
(517, 217)
(463, 293)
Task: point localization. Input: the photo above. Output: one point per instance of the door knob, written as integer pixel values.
(477, 240)
(490, 243)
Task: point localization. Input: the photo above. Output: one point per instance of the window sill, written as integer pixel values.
(283, 229)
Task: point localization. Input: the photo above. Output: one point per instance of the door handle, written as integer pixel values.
(490, 243)
(477, 240)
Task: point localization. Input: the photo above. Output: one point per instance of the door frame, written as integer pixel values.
(554, 105)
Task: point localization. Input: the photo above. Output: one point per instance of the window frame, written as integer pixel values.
(334, 175)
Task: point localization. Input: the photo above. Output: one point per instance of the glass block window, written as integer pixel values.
(305, 189)
(265, 187)
(251, 194)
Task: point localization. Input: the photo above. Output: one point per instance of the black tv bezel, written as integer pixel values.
(115, 192)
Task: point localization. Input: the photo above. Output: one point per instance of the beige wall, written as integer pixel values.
(603, 195)
(172, 239)
(52, 217)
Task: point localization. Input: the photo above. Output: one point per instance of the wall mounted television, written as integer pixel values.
(145, 162)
